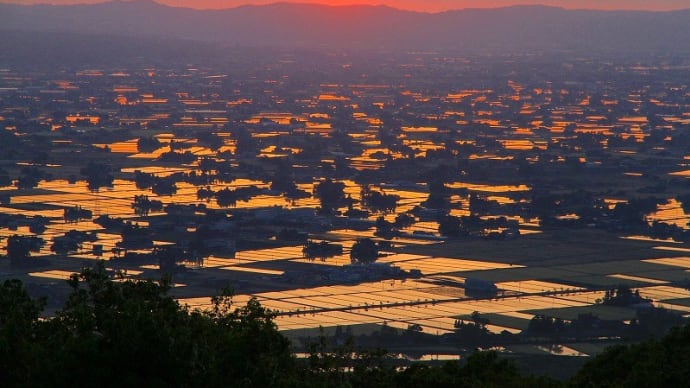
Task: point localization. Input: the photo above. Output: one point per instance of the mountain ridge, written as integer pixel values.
(281, 24)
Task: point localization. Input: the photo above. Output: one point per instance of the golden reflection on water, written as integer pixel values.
(683, 261)
(400, 304)
(426, 302)
(670, 213)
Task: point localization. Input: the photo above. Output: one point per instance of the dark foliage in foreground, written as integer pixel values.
(655, 363)
(122, 332)
(132, 334)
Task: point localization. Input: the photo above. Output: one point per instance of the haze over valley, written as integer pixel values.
(273, 194)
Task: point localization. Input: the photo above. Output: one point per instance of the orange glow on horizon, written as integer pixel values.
(415, 5)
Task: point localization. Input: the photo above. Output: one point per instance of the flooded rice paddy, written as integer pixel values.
(434, 302)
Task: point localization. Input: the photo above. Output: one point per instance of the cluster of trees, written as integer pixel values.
(20, 247)
(72, 241)
(283, 181)
(158, 185)
(76, 214)
(364, 251)
(389, 230)
(475, 333)
(454, 226)
(167, 185)
(98, 175)
(169, 256)
(30, 177)
(108, 222)
(186, 157)
(211, 140)
(216, 170)
(228, 197)
(439, 195)
(656, 363)
(322, 250)
(131, 332)
(142, 205)
(629, 216)
(623, 296)
(377, 201)
(331, 195)
(135, 236)
(286, 234)
(148, 144)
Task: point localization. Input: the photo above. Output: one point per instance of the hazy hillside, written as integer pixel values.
(300, 25)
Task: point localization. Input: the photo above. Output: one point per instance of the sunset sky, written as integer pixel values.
(418, 5)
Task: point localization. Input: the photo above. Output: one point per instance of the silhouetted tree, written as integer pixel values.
(331, 194)
(142, 205)
(148, 144)
(20, 247)
(97, 175)
(364, 251)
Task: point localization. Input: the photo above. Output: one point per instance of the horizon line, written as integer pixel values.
(188, 4)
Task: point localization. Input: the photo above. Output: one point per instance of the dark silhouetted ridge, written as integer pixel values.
(307, 25)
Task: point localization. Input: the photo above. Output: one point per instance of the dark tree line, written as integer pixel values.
(132, 333)
(111, 333)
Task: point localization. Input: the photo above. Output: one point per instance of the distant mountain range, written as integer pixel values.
(371, 27)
